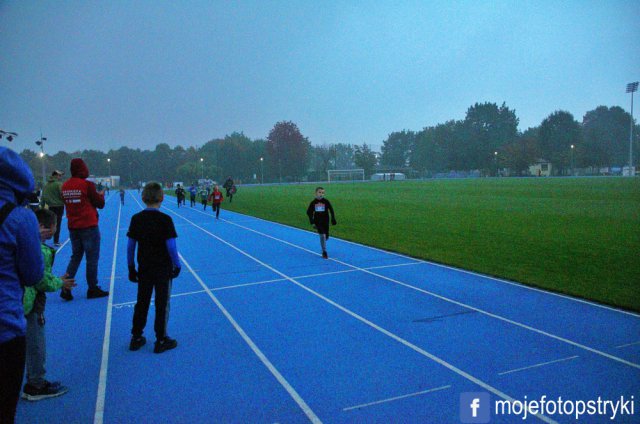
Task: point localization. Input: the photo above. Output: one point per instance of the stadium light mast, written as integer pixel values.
(572, 147)
(261, 171)
(632, 87)
(41, 144)
(8, 135)
(202, 166)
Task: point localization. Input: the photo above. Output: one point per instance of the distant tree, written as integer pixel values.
(429, 151)
(487, 128)
(288, 150)
(606, 136)
(557, 133)
(237, 157)
(343, 156)
(519, 155)
(365, 158)
(531, 132)
(163, 163)
(322, 158)
(396, 149)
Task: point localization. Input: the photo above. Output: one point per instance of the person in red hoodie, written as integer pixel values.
(216, 198)
(82, 201)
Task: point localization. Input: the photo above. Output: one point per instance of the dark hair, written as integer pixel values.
(152, 193)
(319, 188)
(46, 218)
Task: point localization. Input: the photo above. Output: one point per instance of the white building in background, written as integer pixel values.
(542, 168)
(388, 176)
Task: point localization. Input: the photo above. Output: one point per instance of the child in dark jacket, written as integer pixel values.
(34, 302)
(318, 213)
(158, 265)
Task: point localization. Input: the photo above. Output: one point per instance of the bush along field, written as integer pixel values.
(577, 236)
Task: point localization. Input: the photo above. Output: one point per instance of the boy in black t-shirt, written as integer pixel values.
(318, 213)
(158, 265)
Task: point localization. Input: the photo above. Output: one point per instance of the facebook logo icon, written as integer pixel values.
(475, 407)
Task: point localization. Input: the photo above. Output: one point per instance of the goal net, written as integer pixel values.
(334, 175)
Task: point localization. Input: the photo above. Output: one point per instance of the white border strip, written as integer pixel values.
(542, 364)
(98, 417)
(499, 280)
(406, 343)
(364, 405)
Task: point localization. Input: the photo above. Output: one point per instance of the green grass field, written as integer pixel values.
(579, 236)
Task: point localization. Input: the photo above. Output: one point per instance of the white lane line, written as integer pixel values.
(628, 344)
(542, 364)
(393, 336)
(364, 405)
(455, 302)
(63, 245)
(118, 305)
(489, 277)
(257, 283)
(267, 363)
(98, 417)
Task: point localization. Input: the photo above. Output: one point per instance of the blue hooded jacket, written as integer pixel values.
(21, 261)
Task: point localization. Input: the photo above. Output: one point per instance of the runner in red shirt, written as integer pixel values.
(216, 198)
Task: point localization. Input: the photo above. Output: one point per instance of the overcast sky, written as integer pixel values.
(137, 73)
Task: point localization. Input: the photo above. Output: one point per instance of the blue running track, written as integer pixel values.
(269, 332)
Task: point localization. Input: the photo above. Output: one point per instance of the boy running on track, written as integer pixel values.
(216, 198)
(318, 213)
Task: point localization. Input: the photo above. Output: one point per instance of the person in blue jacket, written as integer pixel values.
(21, 265)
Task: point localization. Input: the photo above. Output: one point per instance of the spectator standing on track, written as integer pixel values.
(121, 191)
(34, 301)
(82, 202)
(21, 265)
(52, 197)
(216, 198)
(158, 265)
(204, 195)
(318, 213)
(192, 195)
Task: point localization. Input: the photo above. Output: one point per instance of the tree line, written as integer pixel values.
(487, 139)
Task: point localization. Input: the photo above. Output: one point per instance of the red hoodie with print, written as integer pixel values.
(81, 199)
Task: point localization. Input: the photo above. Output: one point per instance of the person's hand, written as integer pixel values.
(333, 222)
(67, 282)
(176, 272)
(133, 274)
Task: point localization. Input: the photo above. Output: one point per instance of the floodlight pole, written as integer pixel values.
(572, 147)
(261, 171)
(41, 144)
(631, 88)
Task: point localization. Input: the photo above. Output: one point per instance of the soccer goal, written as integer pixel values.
(345, 175)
